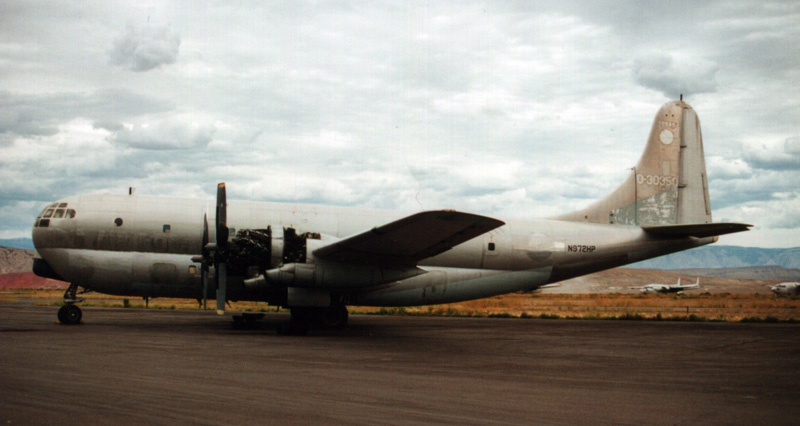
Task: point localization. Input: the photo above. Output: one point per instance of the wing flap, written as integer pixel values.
(699, 230)
(409, 240)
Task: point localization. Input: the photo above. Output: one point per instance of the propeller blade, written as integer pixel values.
(220, 255)
(204, 274)
(222, 217)
(221, 276)
(206, 260)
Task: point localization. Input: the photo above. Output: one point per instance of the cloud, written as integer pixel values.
(171, 134)
(773, 155)
(145, 47)
(674, 74)
(41, 114)
(720, 168)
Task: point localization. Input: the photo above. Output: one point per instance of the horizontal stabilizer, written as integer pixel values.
(409, 240)
(699, 230)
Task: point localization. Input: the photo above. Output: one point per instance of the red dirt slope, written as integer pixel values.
(29, 280)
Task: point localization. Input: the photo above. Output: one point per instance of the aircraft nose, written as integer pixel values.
(54, 215)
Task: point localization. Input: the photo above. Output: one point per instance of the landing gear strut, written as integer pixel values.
(70, 314)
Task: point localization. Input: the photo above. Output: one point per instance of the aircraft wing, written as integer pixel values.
(409, 240)
(699, 230)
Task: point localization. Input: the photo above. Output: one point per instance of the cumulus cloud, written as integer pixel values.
(143, 48)
(773, 155)
(674, 74)
(40, 115)
(175, 133)
(725, 168)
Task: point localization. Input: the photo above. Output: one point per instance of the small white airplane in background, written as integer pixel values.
(668, 288)
(791, 288)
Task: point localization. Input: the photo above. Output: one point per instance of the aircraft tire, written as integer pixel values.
(70, 315)
(335, 316)
(62, 314)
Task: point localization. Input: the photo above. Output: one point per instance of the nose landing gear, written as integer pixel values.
(69, 313)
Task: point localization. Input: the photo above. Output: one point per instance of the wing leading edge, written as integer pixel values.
(407, 241)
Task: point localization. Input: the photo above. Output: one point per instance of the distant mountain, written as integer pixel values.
(771, 272)
(20, 243)
(724, 257)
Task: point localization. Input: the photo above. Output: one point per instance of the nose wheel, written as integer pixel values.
(70, 313)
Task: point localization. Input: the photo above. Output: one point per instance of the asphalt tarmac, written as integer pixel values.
(131, 366)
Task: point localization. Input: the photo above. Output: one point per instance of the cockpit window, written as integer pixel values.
(54, 211)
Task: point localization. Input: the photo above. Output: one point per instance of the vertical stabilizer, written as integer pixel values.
(668, 186)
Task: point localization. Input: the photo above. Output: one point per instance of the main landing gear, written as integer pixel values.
(70, 314)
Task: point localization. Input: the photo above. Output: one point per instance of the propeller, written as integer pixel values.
(221, 248)
(205, 260)
(216, 253)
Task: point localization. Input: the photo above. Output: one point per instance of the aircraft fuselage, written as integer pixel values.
(143, 246)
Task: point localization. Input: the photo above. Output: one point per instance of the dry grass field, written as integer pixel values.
(699, 307)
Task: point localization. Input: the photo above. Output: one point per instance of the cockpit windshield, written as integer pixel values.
(54, 211)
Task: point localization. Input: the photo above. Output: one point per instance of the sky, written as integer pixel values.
(508, 109)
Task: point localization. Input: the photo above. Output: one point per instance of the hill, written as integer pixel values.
(620, 279)
(15, 260)
(724, 257)
(749, 272)
(19, 243)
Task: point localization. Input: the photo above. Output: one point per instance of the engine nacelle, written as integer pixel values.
(331, 275)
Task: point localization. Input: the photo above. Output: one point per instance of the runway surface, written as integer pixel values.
(125, 366)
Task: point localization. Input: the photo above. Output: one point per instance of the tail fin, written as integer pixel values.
(668, 186)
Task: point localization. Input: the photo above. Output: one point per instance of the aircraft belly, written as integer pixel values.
(128, 273)
(448, 285)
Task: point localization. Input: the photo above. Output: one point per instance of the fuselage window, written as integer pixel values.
(118, 221)
(192, 270)
(166, 229)
(70, 213)
(58, 214)
(44, 223)
(491, 247)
